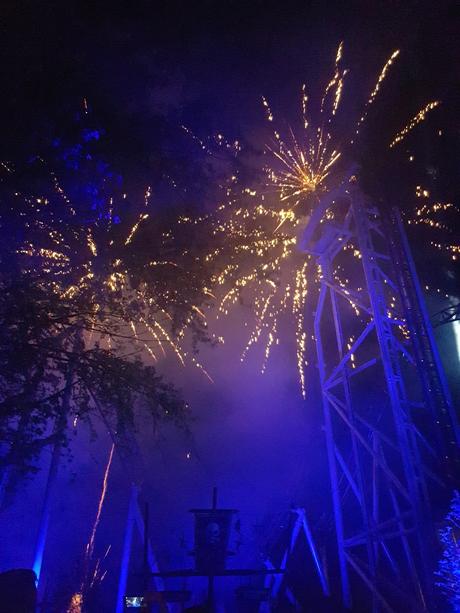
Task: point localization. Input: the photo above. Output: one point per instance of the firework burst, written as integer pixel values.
(259, 230)
(129, 302)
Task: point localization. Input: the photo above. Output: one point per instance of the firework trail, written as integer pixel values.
(77, 599)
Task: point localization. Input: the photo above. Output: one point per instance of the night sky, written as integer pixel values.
(145, 67)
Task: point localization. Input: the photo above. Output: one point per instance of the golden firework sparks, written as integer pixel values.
(87, 261)
(382, 76)
(261, 262)
(418, 118)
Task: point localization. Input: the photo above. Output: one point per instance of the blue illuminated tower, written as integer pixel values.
(391, 431)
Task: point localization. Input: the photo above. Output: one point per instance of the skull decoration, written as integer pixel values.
(212, 533)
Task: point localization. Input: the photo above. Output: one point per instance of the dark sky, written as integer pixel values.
(207, 63)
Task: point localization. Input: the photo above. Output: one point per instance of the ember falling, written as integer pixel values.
(230, 261)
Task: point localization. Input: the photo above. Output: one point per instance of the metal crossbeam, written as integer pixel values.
(386, 454)
(135, 520)
(447, 315)
(275, 583)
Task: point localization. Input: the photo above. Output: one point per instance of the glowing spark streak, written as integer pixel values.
(207, 292)
(202, 368)
(298, 307)
(142, 342)
(418, 118)
(199, 311)
(304, 106)
(170, 341)
(268, 109)
(154, 334)
(336, 83)
(375, 91)
(338, 56)
(195, 138)
(165, 263)
(76, 602)
(382, 76)
(91, 244)
(62, 193)
(90, 545)
(132, 325)
(150, 351)
(271, 340)
(255, 336)
(96, 570)
(338, 92)
(135, 227)
(47, 254)
(147, 195)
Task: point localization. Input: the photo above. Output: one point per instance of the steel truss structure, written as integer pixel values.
(135, 520)
(390, 427)
(447, 315)
(276, 583)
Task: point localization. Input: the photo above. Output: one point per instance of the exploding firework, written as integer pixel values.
(260, 229)
(256, 255)
(128, 293)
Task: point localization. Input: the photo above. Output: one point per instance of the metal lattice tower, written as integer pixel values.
(446, 316)
(391, 431)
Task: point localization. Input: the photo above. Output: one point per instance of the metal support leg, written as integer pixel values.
(126, 553)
